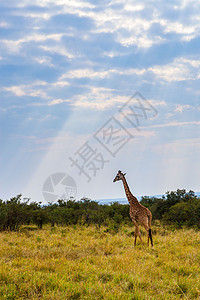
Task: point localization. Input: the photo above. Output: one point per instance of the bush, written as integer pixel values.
(180, 208)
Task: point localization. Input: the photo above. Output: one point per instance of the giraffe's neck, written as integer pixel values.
(131, 199)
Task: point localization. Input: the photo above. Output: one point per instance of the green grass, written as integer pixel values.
(85, 263)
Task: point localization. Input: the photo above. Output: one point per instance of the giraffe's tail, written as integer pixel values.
(150, 235)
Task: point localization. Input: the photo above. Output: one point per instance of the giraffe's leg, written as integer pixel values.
(139, 233)
(150, 236)
(136, 230)
(147, 229)
(135, 235)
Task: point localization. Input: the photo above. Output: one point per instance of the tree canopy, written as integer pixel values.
(176, 207)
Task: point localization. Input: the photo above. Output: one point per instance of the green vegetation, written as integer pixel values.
(83, 262)
(83, 250)
(177, 208)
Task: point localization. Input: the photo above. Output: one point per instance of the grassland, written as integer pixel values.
(87, 263)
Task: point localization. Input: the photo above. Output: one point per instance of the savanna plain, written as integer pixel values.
(85, 262)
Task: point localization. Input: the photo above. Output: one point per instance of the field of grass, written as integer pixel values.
(87, 263)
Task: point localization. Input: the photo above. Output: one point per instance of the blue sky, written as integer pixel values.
(68, 67)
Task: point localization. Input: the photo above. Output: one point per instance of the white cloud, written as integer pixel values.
(124, 21)
(39, 89)
(180, 69)
(112, 54)
(57, 101)
(174, 124)
(108, 20)
(85, 72)
(169, 115)
(128, 29)
(53, 8)
(4, 25)
(99, 99)
(46, 117)
(44, 60)
(133, 7)
(180, 108)
(39, 15)
(90, 73)
(142, 41)
(171, 72)
(178, 27)
(17, 90)
(60, 84)
(157, 102)
(38, 83)
(64, 3)
(15, 45)
(28, 90)
(184, 3)
(194, 63)
(59, 49)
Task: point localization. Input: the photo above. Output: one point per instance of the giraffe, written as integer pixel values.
(139, 214)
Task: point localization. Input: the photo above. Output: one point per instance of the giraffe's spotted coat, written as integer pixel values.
(139, 214)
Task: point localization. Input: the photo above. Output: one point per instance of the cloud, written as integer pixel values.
(57, 101)
(127, 23)
(28, 90)
(85, 72)
(38, 88)
(64, 3)
(4, 25)
(15, 45)
(46, 60)
(128, 29)
(133, 7)
(92, 74)
(193, 62)
(131, 26)
(61, 50)
(156, 103)
(141, 41)
(180, 107)
(179, 70)
(186, 32)
(17, 90)
(98, 99)
(175, 124)
(75, 63)
(41, 90)
(108, 19)
(46, 117)
(60, 84)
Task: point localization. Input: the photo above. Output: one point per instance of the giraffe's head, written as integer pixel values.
(119, 176)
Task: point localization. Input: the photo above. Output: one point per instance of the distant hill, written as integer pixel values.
(120, 200)
(125, 201)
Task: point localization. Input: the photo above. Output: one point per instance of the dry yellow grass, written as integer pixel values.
(85, 263)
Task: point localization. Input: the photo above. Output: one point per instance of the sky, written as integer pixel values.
(88, 88)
